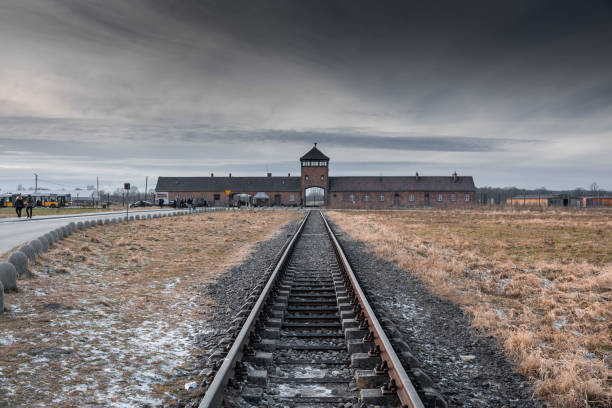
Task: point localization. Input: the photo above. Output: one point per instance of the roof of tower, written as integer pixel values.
(314, 154)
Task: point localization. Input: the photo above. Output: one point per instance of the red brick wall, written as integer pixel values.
(314, 179)
(342, 199)
(209, 196)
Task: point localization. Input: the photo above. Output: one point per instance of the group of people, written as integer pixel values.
(28, 204)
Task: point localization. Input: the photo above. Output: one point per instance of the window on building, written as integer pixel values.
(466, 198)
(453, 197)
(366, 198)
(306, 177)
(439, 197)
(411, 198)
(381, 198)
(322, 178)
(352, 198)
(292, 198)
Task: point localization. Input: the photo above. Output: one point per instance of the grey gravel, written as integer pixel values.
(230, 291)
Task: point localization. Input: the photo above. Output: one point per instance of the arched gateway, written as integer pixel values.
(315, 196)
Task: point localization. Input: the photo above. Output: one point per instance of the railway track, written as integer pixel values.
(311, 339)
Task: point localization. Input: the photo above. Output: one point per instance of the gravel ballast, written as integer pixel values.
(230, 292)
(466, 365)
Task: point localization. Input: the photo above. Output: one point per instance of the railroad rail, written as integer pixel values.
(311, 337)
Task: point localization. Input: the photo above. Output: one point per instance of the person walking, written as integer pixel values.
(161, 203)
(29, 207)
(18, 205)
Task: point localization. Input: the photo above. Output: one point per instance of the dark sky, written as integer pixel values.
(511, 92)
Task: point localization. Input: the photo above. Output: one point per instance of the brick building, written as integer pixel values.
(314, 187)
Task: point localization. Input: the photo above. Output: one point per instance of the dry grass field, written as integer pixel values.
(539, 281)
(108, 318)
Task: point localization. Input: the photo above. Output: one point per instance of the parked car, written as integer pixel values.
(141, 203)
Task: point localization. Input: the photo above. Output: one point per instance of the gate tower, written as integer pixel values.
(314, 180)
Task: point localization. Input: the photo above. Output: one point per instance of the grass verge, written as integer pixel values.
(539, 281)
(111, 314)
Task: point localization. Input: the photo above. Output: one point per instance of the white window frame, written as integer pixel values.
(453, 198)
(439, 198)
(381, 198)
(292, 198)
(411, 198)
(352, 198)
(366, 198)
(466, 198)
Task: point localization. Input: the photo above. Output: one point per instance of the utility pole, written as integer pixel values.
(97, 190)
(35, 182)
(146, 186)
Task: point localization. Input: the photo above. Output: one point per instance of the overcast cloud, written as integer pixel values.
(513, 94)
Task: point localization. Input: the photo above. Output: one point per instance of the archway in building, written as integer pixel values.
(315, 196)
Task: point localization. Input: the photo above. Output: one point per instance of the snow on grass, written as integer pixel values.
(111, 316)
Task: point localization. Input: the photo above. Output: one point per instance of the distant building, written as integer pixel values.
(535, 200)
(544, 200)
(602, 201)
(314, 187)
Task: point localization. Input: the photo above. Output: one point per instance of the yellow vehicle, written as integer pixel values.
(50, 200)
(5, 200)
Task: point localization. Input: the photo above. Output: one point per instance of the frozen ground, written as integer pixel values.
(112, 314)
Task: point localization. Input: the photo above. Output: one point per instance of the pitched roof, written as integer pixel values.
(400, 183)
(235, 184)
(314, 154)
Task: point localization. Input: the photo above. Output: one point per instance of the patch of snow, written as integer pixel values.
(291, 391)
(310, 372)
(6, 339)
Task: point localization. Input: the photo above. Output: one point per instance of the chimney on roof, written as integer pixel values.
(230, 174)
(288, 174)
(416, 176)
(455, 176)
(269, 174)
(212, 174)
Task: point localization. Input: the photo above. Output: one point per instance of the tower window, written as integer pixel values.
(306, 177)
(322, 178)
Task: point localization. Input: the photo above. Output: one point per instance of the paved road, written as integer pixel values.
(17, 231)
